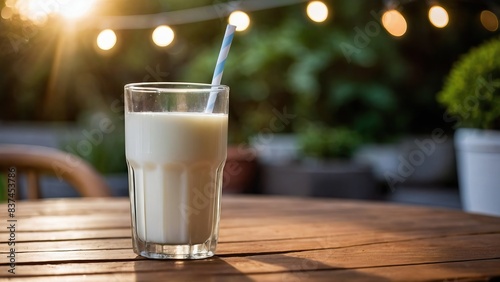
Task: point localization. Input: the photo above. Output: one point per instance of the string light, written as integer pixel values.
(240, 19)
(489, 20)
(438, 16)
(394, 22)
(317, 11)
(106, 39)
(163, 35)
(38, 11)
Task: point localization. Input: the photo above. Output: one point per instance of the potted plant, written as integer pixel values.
(324, 168)
(319, 142)
(471, 94)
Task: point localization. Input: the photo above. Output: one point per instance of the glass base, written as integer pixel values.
(163, 251)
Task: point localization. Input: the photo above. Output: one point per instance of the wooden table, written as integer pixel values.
(261, 238)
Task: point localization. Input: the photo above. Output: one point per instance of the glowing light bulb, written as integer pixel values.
(394, 22)
(106, 39)
(438, 16)
(317, 11)
(163, 36)
(240, 19)
(489, 20)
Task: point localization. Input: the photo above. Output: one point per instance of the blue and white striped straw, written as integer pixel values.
(219, 68)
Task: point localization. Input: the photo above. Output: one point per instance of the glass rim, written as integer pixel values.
(174, 86)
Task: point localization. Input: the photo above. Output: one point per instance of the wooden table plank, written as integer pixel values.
(71, 235)
(118, 239)
(422, 251)
(344, 218)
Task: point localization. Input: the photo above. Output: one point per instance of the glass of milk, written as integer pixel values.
(176, 151)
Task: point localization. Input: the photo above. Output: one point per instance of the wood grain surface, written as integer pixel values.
(262, 238)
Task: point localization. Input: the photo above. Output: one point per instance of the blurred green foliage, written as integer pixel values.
(322, 142)
(100, 140)
(296, 64)
(472, 90)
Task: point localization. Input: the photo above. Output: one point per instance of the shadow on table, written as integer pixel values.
(211, 269)
(303, 269)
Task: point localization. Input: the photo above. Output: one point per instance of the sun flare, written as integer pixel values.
(38, 11)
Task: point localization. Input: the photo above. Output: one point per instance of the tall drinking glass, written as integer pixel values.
(176, 151)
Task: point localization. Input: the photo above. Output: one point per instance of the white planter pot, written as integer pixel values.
(478, 159)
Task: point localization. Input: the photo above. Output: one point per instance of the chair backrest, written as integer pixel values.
(36, 160)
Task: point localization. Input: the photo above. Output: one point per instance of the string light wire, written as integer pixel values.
(186, 16)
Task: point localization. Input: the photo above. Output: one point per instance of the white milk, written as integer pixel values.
(175, 159)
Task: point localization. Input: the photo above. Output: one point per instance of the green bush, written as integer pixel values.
(471, 91)
(322, 142)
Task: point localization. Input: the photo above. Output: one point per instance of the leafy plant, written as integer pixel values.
(319, 141)
(472, 89)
